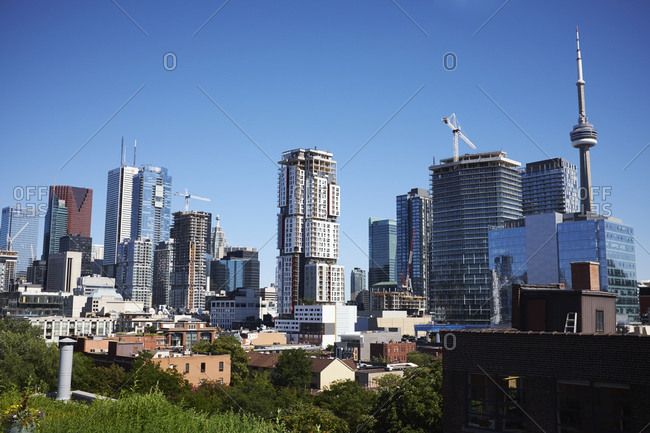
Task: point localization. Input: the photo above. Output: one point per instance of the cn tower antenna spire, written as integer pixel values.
(582, 115)
(583, 137)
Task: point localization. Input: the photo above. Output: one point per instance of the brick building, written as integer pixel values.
(391, 352)
(198, 368)
(514, 381)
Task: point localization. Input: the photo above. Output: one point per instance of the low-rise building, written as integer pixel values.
(318, 324)
(242, 308)
(356, 345)
(197, 369)
(55, 327)
(392, 351)
(376, 320)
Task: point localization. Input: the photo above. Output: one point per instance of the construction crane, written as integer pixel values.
(451, 122)
(188, 197)
(407, 284)
(10, 241)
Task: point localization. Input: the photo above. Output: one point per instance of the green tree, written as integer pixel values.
(421, 359)
(293, 369)
(238, 359)
(147, 376)
(25, 357)
(415, 405)
(307, 418)
(350, 402)
(99, 380)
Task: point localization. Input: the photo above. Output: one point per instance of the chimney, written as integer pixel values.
(65, 368)
(584, 276)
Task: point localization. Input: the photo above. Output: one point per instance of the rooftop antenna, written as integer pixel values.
(135, 144)
(122, 154)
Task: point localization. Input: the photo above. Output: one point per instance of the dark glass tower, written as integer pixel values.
(382, 251)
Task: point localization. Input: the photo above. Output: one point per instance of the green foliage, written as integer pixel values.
(388, 382)
(421, 359)
(307, 418)
(415, 405)
(329, 348)
(25, 358)
(150, 329)
(350, 402)
(147, 376)
(104, 381)
(293, 369)
(141, 413)
(227, 344)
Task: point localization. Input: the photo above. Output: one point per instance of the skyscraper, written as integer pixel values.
(413, 239)
(308, 234)
(56, 225)
(19, 228)
(382, 251)
(218, 242)
(119, 200)
(81, 244)
(151, 208)
(469, 196)
(134, 270)
(191, 234)
(163, 266)
(78, 203)
(357, 282)
(550, 186)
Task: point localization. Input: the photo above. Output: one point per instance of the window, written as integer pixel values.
(493, 403)
(592, 406)
(600, 321)
(203, 367)
(221, 380)
(187, 367)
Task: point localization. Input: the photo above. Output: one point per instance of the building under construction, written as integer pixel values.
(308, 234)
(388, 297)
(191, 234)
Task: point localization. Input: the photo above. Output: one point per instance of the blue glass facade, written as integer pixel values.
(151, 211)
(611, 244)
(21, 226)
(56, 225)
(382, 250)
(414, 231)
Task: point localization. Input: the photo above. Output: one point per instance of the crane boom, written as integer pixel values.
(455, 128)
(188, 196)
(10, 240)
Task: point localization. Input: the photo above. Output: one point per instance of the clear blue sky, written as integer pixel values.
(327, 74)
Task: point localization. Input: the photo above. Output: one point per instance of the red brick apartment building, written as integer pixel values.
(391, 352)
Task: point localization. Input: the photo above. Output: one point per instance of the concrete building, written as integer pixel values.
(37, 272)
(19, 227)
(318, 324)
(55, 327)
(218, 241)
(191, 234)
(397, 320)
(414, 240)
(382, 251)
(308, 232)
(87, 285)
(356, 345)
(63, 271)
(469, 196)
(30, 300)
(8, 260)
(389, 297)
(134, 270)
(241, 308)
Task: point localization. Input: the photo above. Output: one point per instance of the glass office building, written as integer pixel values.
(414, 234)
(382, 250)
(542, 248)
(151, 209)
(470, 196)
(239, 269)
(56, 226)
(19, 227)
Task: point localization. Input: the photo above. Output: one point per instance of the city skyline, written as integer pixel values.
(70, 99)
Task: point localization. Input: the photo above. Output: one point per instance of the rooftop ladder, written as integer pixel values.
(571, 324)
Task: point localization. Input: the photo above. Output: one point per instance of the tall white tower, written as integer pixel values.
(119, 197)
(583, 137)
(308, 234)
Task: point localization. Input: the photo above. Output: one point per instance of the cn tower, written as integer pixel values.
(583, 137)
